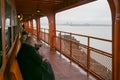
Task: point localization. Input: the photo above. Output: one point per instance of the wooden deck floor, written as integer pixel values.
(63, 70)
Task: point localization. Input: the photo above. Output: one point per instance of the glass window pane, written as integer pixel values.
(1, 57)
(7, 24)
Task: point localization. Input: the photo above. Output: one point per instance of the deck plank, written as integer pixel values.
(62, 68)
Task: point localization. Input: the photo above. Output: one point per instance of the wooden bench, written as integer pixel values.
(12, 69)
(15, 73)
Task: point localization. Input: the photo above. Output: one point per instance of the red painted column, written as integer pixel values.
(116, 42)
(52, 29)
(3, 37)
(31, 27)
(38, 28)
(26, 25)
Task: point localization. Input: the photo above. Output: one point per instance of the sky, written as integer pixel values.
(97, 12)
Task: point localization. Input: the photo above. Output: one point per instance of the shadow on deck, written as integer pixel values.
(63, 69)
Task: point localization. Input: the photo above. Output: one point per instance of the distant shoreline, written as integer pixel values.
(86, 24)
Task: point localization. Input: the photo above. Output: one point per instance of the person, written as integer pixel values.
(23, 28)
(24, 36)
(32, 65)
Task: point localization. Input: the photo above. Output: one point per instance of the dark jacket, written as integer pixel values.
(31, 65)
(29, 62)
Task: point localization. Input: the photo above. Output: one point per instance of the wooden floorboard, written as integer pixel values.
(63, 69)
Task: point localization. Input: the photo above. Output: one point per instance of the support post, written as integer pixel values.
(52, 29)
(31, 27)
(38, 28)
(116, 42)
(26, 24)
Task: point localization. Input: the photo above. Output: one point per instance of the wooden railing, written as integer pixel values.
(84, 50)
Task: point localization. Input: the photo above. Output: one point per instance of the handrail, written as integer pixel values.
(60, 46)
(85, 36)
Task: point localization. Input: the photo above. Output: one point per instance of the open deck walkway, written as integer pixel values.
(63, 69)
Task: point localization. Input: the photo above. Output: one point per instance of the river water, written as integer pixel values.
(104, 32)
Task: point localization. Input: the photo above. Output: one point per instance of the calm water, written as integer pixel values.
(96, 31)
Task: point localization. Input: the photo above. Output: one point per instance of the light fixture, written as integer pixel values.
(38, 11)
(18, 16)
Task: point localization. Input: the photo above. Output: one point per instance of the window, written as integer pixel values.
(7, 25)
(44, 22)
(34, 24)
(1, 57)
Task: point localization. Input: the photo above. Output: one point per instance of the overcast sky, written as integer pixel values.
(95, 12)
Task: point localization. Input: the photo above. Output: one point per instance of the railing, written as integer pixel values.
(86, 51)
(44, 34)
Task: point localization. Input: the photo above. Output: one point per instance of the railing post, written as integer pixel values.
(44, 36)
(60, 44)
(70, 47)
(41, 33)
(48, 37)
(88, 57)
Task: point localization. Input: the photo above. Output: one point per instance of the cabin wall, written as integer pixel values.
(12, 32)
(12, 69)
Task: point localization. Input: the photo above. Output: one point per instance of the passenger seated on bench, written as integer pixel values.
(32, 65)
(24, 36)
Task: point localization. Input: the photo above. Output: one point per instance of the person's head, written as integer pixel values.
(23, 26)
(31, 41)
(24, 36)
(24, 33)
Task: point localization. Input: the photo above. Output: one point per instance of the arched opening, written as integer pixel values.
(34, 24)
(29, 24)
(44, 22)
(90, 15)
(93, 19)
(44, 29)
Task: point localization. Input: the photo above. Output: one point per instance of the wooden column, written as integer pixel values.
(52, 29)
(26, 25)
(116, 42)
(4, 60)
(31, 27)
(38, 28)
